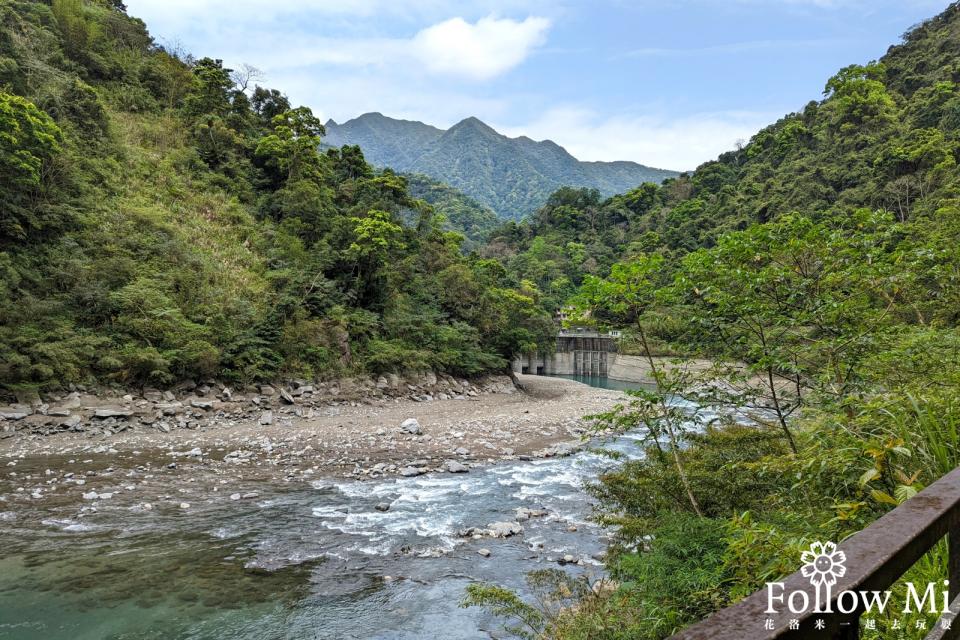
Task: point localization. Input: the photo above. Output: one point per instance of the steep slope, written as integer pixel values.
(513, 176)
(886, 137)
(159, 222)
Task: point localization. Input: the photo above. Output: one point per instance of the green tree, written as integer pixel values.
(29, 140)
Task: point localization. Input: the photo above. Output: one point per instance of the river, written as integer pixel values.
(297, 562)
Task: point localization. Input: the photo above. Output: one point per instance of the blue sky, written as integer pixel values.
(666, 83)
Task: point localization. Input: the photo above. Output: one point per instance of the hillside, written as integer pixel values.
(884, 137)
(513, 176)
(460, 212)
(159, 223)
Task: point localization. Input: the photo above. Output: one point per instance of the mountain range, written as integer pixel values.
(513, 176)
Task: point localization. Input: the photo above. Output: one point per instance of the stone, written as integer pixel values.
(523, 513)
(452, 466)
(266, 418)
(206, 405)
(568, 559)
(409, 472)
(286, 397)
(504, 529)
(267, 390)
(484, 552)
(411, 425)
(112, 413)
(462, 451)
(152, 395)
(250, 495)
(13, 415)
(235, 496)
(195, 453)
(184, 505)
(382, 506)
(71, 421)
(58, 412)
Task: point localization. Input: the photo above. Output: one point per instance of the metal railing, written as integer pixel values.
(875, 558)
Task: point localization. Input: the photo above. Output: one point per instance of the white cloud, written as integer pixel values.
(482, 50)
(659, 141)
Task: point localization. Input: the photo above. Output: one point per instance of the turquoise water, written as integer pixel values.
(315, 561)
(604, 382)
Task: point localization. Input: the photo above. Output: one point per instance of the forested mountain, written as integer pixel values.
(461, 213)
(159, 222)
(818, 269)
(883, 138)
(513, 176)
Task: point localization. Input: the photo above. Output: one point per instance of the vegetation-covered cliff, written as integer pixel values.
(159, 221)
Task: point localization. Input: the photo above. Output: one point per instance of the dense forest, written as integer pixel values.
(164, 217)
(818, 268)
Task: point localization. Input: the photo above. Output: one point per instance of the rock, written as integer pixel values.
(267, 390)
(206, 405)
(411, 425)
(462, 451)
(484, 552)
(504, 529)
(568, 559)
(170, 408)
(266, 418)
(58, 412)
(70, 422)
(112, 413)
(382, 506)
(152, 395)
(235, 496)
(250, 496)
(523, 513)
(13, 415)
(195, 453)
(286, 397)
(409, 472)
(184, 505)
(452, 466)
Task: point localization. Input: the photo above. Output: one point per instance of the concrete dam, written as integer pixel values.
(579, 353)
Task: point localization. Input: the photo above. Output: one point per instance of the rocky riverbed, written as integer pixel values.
(360, 517)
(80, 446)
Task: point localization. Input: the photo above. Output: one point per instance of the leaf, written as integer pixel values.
(883, 497)
(869, 475)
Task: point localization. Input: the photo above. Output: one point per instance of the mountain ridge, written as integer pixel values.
(512, 176)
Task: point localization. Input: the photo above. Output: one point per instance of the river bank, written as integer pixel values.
(232, 445)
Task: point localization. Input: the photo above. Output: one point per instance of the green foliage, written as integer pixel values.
(161, 221)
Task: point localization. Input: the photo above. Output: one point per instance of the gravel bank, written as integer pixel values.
(367, 437)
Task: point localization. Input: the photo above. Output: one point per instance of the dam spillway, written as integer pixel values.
(579, 352)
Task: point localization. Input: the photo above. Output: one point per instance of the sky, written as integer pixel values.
(668, 83)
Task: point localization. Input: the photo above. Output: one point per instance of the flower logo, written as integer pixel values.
(823, 563)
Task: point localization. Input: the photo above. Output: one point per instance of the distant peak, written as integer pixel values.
(473, 123)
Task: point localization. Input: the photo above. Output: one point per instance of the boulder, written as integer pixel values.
(452, 466)
(266, 418)
(382, 506)
(504, 529)
(112, 413)
(411, 425)
(409, 472)
(484, 552)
